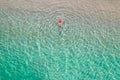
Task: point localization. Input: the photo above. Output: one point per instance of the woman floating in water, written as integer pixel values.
(60, 22)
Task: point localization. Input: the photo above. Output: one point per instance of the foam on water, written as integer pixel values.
(32, 46)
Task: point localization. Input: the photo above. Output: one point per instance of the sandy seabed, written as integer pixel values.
(32, 47)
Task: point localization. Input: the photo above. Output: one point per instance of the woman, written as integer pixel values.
(60, 22)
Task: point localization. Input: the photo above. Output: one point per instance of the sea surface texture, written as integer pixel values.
(86, 47)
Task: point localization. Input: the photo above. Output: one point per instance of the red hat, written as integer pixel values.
(60, 21)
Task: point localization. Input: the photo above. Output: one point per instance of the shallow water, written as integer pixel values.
(32, 46)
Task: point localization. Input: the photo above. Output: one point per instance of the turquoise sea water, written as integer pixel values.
(33, 47)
